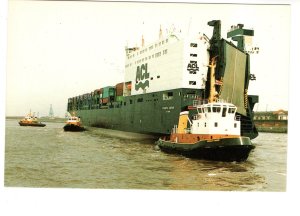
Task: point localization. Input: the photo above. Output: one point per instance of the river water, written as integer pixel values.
(48, 157)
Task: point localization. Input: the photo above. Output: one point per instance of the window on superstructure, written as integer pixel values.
(224, 111)
(168, 96)
(193, 55)
(209, 109)
(192, 82)
(165, 52)
(231, 110)
(216, 108)
(157, 54)
(193, 45)
(235, 125)
(167, 40)
(216, 124)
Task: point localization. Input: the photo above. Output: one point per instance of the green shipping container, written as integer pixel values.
(108, 91)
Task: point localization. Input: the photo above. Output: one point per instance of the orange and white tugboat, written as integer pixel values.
(213, 133)
(31, 120)
(73, 124)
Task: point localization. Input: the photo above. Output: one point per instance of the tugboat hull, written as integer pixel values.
(72, 127)
(32, 124)
(225, 149)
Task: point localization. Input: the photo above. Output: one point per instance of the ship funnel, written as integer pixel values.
(183, 122)
(241, 35)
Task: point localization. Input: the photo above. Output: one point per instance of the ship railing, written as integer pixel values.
(187, 130)
(222, 101)
(197, 103)
(174, 129)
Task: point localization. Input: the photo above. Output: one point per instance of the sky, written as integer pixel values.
(57, 50)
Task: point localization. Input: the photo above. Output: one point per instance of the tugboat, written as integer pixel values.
(31, 120)
(73, 124)
(213, 133)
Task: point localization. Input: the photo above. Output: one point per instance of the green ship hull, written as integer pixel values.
(150, 113)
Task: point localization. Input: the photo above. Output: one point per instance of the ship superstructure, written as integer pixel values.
(170, 63)
(165, 78)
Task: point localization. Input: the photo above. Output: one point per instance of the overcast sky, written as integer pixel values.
(58, 50)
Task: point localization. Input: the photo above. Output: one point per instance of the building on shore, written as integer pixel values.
(271, 121)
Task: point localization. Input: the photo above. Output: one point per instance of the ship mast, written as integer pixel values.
(160, 33)
(212, 89)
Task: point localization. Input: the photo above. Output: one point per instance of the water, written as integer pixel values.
(48, 157)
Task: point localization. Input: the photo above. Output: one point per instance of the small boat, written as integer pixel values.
(30, 120)
(213, 133)
(73, 124)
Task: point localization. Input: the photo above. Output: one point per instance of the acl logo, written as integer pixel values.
(193, 67)
(141, 75)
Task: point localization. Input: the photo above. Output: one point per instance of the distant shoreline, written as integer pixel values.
(260, 127)
(42, 119)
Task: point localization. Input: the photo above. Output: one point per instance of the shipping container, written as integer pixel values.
(108, 91)
(119, 89)
(105, 100)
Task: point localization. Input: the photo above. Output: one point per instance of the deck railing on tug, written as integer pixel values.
(197, 103)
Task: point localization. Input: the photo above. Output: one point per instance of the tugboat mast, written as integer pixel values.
(212, 89)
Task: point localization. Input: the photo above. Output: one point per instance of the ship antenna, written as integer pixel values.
(160, 33)
(143, 41)
(188, 32)
(212, 90)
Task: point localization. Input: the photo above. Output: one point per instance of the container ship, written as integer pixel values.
(170, 76)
